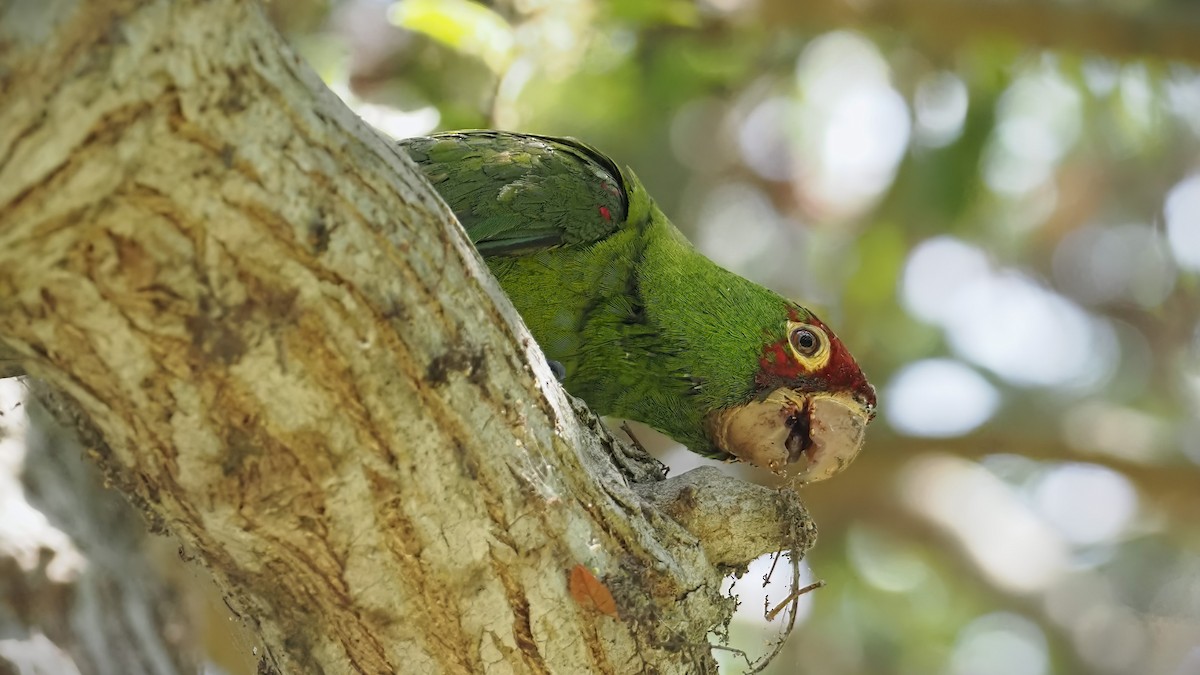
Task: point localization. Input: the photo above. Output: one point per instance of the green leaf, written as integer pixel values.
(465, 26)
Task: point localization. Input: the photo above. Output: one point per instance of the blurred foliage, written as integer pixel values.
(995, 204)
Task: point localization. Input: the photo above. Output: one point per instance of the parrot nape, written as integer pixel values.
(646, 327)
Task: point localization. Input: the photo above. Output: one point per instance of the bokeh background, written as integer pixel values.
(996, 204)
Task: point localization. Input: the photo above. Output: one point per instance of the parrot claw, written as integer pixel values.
(559, 370)
(634, 462)
(633, 439)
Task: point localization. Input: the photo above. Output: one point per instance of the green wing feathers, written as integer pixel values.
(517, 193)
(645, 326)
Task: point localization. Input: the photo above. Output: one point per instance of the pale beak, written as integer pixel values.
(819, 433)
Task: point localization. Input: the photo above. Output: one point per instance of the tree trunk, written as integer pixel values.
(279, 345)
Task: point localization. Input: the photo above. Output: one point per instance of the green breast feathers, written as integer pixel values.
(644, 326)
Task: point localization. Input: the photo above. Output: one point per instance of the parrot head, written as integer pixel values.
(811, 408)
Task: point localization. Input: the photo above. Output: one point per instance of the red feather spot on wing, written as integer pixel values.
(590, 592)
(605, 214)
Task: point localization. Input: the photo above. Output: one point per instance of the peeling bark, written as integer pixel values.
(280, 346)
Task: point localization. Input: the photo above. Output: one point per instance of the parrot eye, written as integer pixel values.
(805, 342)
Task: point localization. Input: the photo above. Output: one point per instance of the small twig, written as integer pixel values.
(794, 595)
(792, 600)
(771, 572)
(735, 651)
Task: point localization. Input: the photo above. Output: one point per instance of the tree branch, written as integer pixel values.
(1169, 487)
(945, 26)
(281, 347)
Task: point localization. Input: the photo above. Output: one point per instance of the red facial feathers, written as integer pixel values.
(840, 372)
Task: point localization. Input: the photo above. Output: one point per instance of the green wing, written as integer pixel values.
(517, 193)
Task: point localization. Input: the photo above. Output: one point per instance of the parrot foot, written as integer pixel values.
(633, 439)
(641, 463)
(559, 370)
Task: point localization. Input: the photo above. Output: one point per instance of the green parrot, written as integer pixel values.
(645, 327)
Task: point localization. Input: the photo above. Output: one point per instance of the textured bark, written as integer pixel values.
(10, 362)
(279, 345)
